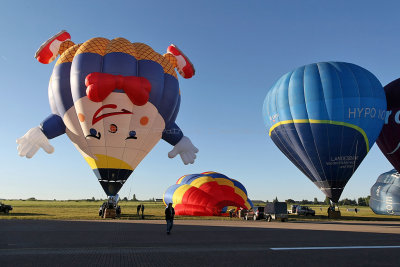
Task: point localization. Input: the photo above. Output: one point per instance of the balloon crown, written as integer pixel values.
(60, 42)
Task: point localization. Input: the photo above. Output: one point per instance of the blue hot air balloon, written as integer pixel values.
(325, 117)
(385, 194)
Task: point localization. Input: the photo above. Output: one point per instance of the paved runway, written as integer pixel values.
(198, 243)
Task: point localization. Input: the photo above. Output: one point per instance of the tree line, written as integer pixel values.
(361, 201)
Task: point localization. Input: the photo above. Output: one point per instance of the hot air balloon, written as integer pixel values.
(385, 194)
(389, 139)
(324, 118)
(206, 194)
(115, 100)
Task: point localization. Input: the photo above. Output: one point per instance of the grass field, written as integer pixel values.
(88, 210)
(77, 210)
(348, 213)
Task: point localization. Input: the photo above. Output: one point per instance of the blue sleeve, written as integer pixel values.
(52, 126)
(172, 134)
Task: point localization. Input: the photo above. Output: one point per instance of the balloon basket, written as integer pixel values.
(109, 214)
(334, 214)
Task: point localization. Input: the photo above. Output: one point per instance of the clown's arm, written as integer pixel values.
(38, 137)
(182, 144)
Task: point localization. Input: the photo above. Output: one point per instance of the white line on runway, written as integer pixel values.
(145, 250)
(327, 248)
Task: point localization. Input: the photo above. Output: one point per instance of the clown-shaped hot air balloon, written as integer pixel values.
(115, 100)
(206, 194)
(325, 117)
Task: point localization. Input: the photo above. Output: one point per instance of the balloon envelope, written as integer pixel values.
(206, 194)
(325, 117)
(114, 132)
(385, 194)
(389, 139)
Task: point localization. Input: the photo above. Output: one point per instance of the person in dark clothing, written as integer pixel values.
(142, 209)
(138, 209)
(169, 217)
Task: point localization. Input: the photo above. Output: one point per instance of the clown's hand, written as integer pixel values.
(30, 143)
(185, 149)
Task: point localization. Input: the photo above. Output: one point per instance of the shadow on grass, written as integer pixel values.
(136, 217)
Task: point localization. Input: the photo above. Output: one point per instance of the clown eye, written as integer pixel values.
(132, 135)
(113, 128)
(93, 133)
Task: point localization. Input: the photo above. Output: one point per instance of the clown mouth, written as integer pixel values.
(112, 106)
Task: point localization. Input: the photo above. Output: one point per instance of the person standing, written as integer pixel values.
(138, 209)
(142, 209)
(169, 217)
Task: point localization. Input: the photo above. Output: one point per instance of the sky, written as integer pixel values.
(239, 49)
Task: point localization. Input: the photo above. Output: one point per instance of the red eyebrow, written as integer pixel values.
(112, 106)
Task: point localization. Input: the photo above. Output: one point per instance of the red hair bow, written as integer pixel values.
(100, 85)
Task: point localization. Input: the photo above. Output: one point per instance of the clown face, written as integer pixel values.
(113, 136)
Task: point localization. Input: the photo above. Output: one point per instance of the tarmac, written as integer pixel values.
(198, 243)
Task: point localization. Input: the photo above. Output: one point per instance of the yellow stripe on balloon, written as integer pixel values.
(224, 181)
(163, 199)
(180, 179)
(240, 193)
(228, 208)
(179, 193)
(355, 127)
(107, 162)
(201, 180)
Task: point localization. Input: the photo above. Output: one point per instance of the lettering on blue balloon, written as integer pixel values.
(378, 190)
(389, 205)
(356, 113)
(343, 162)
